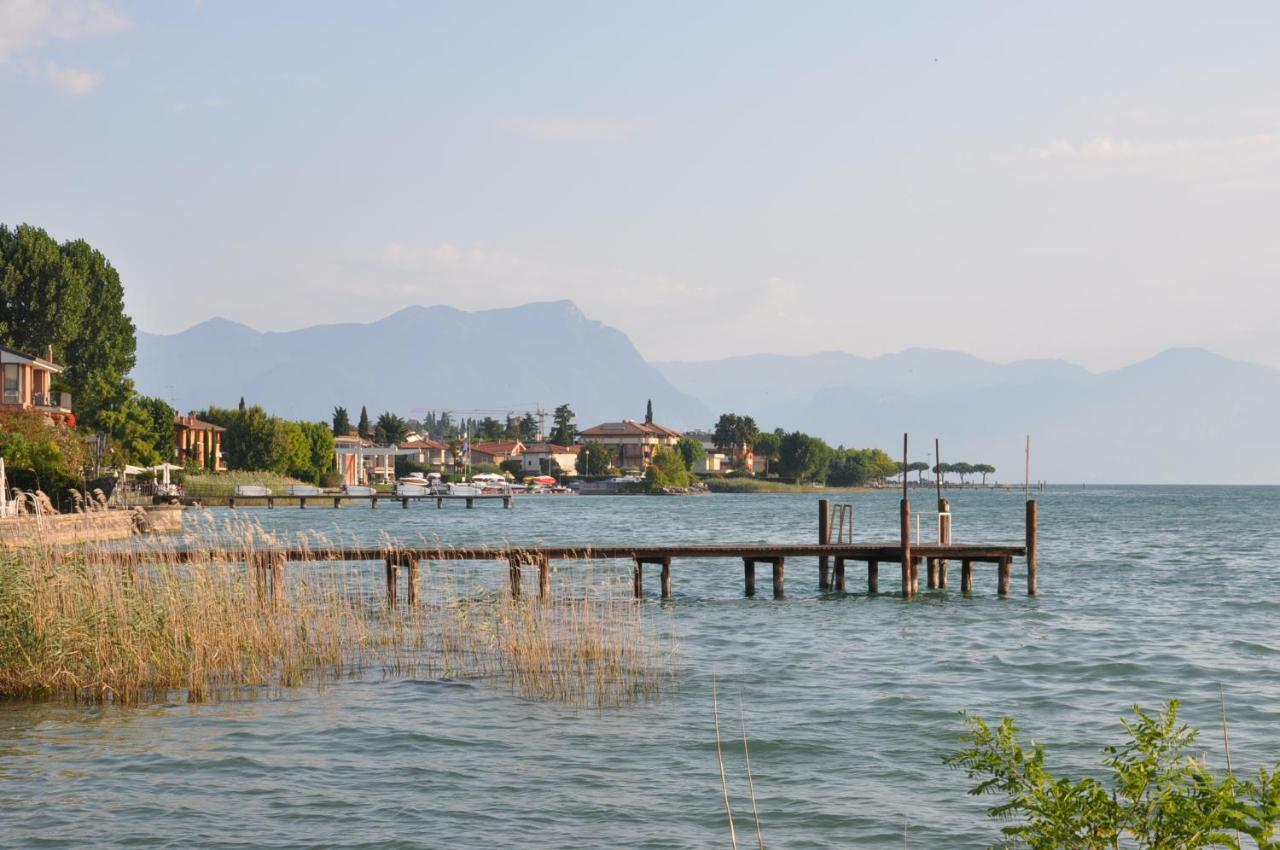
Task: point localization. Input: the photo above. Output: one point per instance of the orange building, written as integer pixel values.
(28, 385)
(198, 442)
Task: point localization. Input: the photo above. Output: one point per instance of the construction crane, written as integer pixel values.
(535, 409)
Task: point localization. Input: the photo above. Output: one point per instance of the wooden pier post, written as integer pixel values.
(873, 576)
(393, 569)
(337, 501)
(915, 575)
(373, 502)
(231, 503)
(637, 579)
(302, 503)
(514, 562)
(966, 576)
(471, 503)
(544, 577)
(904, 522)
(932, 573)
(824, 538)
(271, 502)
(404, 503)
(944, 538)
(839, 579)
(439, 502)
(411, 565)
(506, 501)
(778, 566)
(749, 575)
(1033, 534)
(277, 578)
(1006, 575)
(666, 577)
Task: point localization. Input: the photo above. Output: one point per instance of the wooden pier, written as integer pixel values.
(271, 563)
(337, 499)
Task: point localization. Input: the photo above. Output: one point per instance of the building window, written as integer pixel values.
(12, 383)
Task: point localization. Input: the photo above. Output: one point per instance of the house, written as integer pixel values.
(543, 458)
(359, 462)
(425, 451)
(633, 443)
(198, 442)
(496, 453)
(28, 385)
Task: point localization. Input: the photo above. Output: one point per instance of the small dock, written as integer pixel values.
(833, 553)
(270, 502)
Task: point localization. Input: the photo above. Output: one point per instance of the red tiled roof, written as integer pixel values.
(628, 428)
(423, 444)
(549, 449)
(195, 424)
(497, 448)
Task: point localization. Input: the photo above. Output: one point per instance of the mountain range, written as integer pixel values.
(1183, 416)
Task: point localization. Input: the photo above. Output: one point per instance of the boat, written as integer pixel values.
(303, 490)
(404, 488)
(252, 490)
(358, 490)
(463, 488)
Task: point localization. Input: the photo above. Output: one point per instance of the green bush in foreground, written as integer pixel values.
(1159, 797)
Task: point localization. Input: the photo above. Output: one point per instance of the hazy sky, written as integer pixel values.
(1094, 181)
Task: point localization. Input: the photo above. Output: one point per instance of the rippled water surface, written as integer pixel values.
(850, 701)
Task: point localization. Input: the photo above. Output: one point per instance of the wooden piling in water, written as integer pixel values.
(1033, 534)
(544, 577)
(666, 577)
(393, 570)
(966, 576)
(944, 539)
(824, 537)
(931, 571)
(873, 576)
(839, 577)
(404, 503)
(904, 521)
(411, 595)
(337, 501)
(1006, 576)
(637, 579)
(778, 567)
(514, 564)
(749, 575)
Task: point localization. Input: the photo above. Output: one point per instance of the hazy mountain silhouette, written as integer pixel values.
(419, 358)
(1186, 415)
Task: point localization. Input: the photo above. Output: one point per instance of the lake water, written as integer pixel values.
(851, 702)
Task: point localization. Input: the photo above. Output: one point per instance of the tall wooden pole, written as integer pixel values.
(824, 537)
(904, 523)
(1033, 533)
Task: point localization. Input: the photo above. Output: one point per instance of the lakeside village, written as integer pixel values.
(223, 453)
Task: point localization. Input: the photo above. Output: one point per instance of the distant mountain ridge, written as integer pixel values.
(417, 359)
(1182, 416)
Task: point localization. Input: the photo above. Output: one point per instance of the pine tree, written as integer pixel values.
(363, 427)
(242, 404)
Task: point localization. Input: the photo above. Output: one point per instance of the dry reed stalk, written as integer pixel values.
(724, 781)
(106, 623)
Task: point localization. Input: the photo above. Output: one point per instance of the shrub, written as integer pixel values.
(1159, 796)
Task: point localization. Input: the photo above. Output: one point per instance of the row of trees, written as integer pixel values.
(800, 456)
(257, 440)
(961, 469)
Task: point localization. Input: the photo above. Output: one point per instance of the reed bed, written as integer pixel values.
(133, 623)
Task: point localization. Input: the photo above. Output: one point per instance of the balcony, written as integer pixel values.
(52, 401)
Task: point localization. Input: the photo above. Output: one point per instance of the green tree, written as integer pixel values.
(1159, 795)
(250, 439)
(563, 429)
(160, 417)
(489, 430)
(803, 457)
(734, 434)
(68, 297)
(391, 429)
(767, 445)
(363, 428)
(528, 432)
(595, 459)
(40, 455)
(513, 467)
(290, 450)
(691, 451)
(341, 422)
(984, 469)
(320, 449)
(666, 470)
(648, 412)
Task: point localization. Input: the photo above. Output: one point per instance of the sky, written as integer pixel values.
(1088, 181)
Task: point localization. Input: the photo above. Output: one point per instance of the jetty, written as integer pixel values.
(271, 501)
(833, 551)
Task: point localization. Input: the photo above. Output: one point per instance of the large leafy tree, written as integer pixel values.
(390, 429)
(341, 422)
(735, 433)
(595, 459)
(69, 297)
(803, 457)
(563, 429)
(691, 451)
